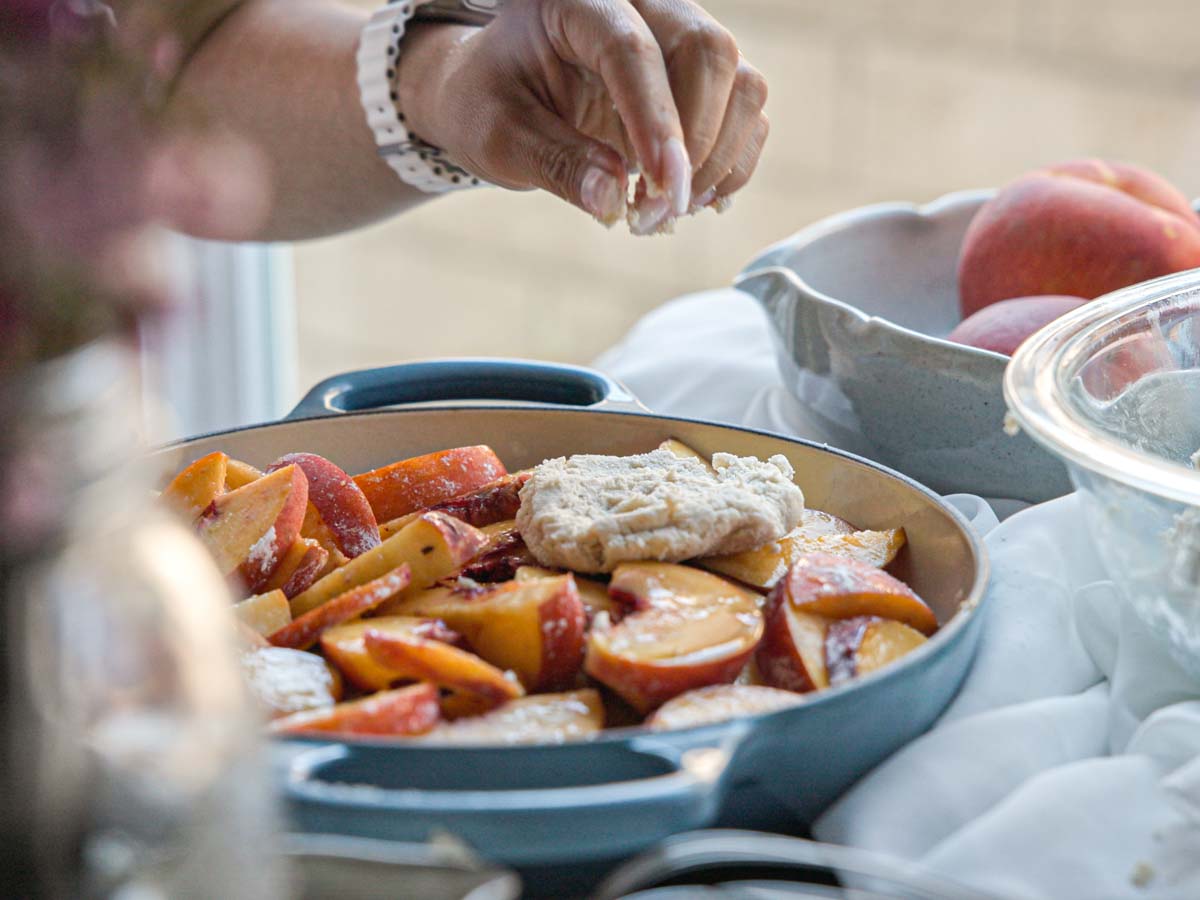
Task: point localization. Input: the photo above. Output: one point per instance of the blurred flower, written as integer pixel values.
(90, 168)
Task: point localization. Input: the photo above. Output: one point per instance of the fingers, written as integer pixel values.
(743, 123)
(539, 149)
(743, 169)
(612, 40)
(702, 62)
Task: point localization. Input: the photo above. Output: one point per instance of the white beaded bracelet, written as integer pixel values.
(420, 164)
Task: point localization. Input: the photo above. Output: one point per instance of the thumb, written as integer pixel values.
(548, 153)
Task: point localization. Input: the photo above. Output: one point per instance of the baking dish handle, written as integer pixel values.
(554, 384)
(526, 825)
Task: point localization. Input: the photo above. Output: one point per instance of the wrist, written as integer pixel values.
(429, 53)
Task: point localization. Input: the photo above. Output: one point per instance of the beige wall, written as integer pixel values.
(870, 100)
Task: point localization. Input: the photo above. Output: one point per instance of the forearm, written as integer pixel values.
(281, 73)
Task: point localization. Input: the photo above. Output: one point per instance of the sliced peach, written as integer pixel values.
(446, 666)
(497, 528)
(343, 646)
(288, 564)
(387, 529)
(719, 702)
(239, 474)
(538, 719)
(594, 594)
(765, 565)
(197, 486)
(307, 571)
(496, 501)
(792, 653)
(314, 529)
(843, 588)
(285, 681)
(434, 545)
(338, 500)
(863, 644)
(688, 629)
(683, 451)
(535, 628)
(818, 522)
(405, 711)
(422, 481)
(499, 560)
(247, 638)
(306, 630)
(299, 568)
(250, 529)
(265, 613)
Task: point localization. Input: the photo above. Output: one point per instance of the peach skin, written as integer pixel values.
(1081, 228)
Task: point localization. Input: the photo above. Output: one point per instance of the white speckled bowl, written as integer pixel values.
(1113, 388)
(861, 303)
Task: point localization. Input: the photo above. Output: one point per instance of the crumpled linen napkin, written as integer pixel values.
(1069, 763)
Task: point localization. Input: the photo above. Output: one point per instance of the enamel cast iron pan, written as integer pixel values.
(629, 787)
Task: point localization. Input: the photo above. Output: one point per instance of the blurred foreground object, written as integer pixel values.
(131, 758)
(128, 757)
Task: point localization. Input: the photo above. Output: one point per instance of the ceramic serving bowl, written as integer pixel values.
(608, 797)
(861, 304)
(1113, 389)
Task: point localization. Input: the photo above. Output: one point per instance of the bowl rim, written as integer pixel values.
(1036, 380)
(846, 219)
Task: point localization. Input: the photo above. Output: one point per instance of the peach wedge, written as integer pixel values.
(495, 502)
(339, 501)
(434, 545)
(251, 529)
(594, 594)
(265, 613)
(792, 653)
(343, 646)
(299, 568)
(842, 588)
(304, 631)
(421, 659)
(401, 712)
(537, 719)
(239, 474)
(863, 644)
(688, 629)
(535, 628)
(765, 565)
(198, 485)
(422, 481)
(719, 702)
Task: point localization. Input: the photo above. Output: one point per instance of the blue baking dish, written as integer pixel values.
(608, 797)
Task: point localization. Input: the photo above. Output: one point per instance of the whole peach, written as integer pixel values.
(1004, 326)
(1080, 228)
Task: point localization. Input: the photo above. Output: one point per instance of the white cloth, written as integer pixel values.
(1068, 766)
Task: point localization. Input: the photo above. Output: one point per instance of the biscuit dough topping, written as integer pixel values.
(591, 513)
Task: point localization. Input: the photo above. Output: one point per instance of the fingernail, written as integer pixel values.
(703, 200)
(648, 216)
(723, 204)
(677, 175)
(602, 195)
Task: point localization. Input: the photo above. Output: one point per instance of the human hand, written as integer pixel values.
(575, 96)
